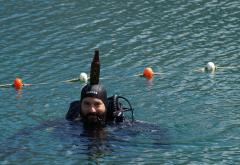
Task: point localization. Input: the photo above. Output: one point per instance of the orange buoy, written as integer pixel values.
(18, 84)
(148, 73)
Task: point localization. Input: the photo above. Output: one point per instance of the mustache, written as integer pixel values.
(100, 119)
(91, 114)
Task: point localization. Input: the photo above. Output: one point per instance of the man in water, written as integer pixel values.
(95, 108)
(92, 107)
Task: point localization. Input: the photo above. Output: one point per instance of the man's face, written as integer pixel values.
(93, 110)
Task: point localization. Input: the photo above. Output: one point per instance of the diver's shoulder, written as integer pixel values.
(73, 113)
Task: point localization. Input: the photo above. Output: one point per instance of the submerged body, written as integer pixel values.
(69, 134)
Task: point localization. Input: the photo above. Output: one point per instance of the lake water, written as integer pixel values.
(184, 116)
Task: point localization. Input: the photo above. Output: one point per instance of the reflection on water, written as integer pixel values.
(51, 41)
(93, 144)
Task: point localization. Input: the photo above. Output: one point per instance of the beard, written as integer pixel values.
(94, 120)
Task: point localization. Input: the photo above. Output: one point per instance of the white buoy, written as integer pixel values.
(210, 67)
(83, 77)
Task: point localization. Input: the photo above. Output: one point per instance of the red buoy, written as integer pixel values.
(18, 84)
(148, 73)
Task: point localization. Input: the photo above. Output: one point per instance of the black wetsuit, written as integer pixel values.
(116, 115)
(73, 113)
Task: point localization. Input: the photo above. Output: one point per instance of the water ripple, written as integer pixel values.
(50, 41)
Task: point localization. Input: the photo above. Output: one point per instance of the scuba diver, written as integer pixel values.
(94, 108)
(86, 133)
